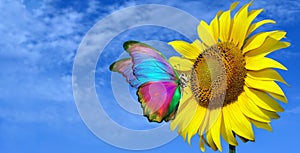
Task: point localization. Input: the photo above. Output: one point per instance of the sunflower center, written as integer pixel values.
(218, 75)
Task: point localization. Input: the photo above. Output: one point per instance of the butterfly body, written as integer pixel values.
(159, 87)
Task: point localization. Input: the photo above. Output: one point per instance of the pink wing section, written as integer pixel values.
(156, 98)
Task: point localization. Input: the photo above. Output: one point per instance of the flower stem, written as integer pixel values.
(231, 149)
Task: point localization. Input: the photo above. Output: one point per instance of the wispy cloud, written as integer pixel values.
(286, 54)
(36, 58)
(282, 12)
(295, 110)
(43, 115)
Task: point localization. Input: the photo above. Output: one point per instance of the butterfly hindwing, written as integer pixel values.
(159, 100)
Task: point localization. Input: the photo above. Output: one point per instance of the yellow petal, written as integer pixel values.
(270, 45)
(250, 110)
(278, 35)
(214, 28)
(263, 100)
(195, 123)
(233, 5)
(184, 105)
(279, 97)
(180, 63)
(215, 132)
(226, 128)
(253, 14)
(211, 116)
(243, 139)
(204, 34)
(225, 24)
(267, 86)
(185, 49)
(266, 74)
(242, 31)
(219, 13)
(186, 96)
(240, 26)
(261, 125)
(240, 124)
(210, 141)
(201, 144)
(272, 115)
(185, 116)
(256, 41)
(256, 25)
(260, 63)
(199, 45)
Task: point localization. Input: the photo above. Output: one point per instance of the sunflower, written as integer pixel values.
(232, 83)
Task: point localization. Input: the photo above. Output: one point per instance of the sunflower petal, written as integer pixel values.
(279, 97)
(204, 34)
(256, 41)
(201, 144)
(199, 45)
(253, 14)
(186, 96)
(261, 125)
(260, 63)
(185, 107)
(219, 13)
(278, 35)
(225, 24)
(210, 141)
(256, 25)
(240, 124)
(215, 132)
(180, 63)
(243, 139)
(270, 45)
(272, 115)
(233, 5)
(185, 116)
(267, 86)
(267, 75)
(185, 49)
(195, 123)
(250, 110)
(240, 26)
(262, 100)
(226, 128)
(214, 28)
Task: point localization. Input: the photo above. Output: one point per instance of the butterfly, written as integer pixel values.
(159, 87)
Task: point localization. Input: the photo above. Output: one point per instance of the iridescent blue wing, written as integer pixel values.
(145, 65)
(149, 64)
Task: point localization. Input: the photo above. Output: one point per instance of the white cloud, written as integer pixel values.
(42, 115)
(287, 54)
(283, 12)
(295, 110)
(93, 6)
(36, 58)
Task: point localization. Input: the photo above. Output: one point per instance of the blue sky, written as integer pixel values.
(38, 47)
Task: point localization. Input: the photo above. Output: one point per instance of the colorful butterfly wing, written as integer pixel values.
(149, 64)
(159, 100)
(124, 66)
(157, 82)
